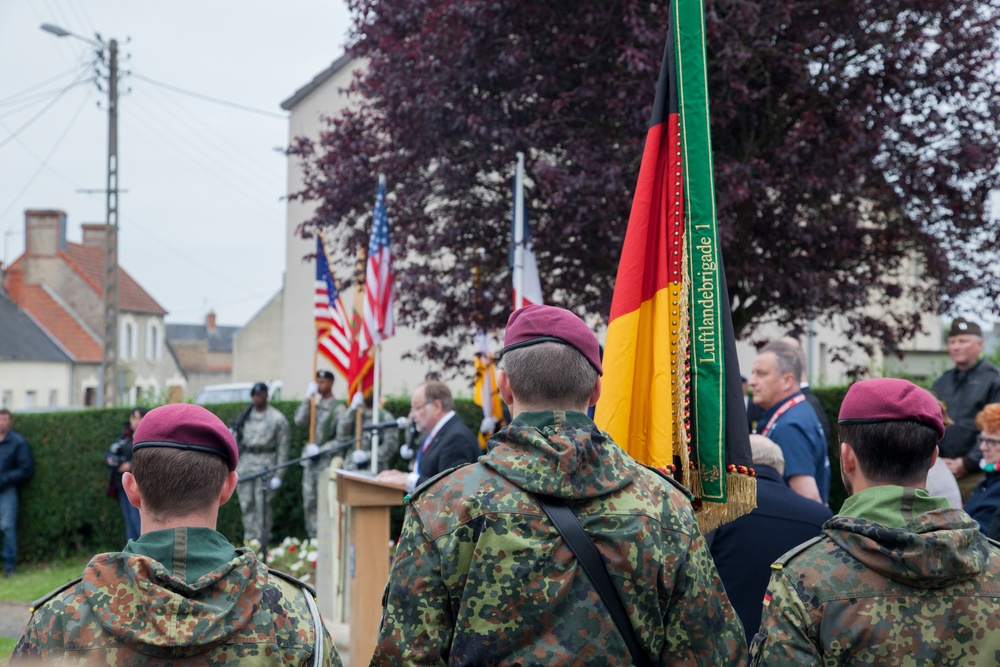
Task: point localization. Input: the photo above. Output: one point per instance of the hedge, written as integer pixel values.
(65, 509)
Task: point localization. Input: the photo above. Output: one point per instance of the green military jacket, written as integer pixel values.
(481, 577)
(897, 578)
(178, 597)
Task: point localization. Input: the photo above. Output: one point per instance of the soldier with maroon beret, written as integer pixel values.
(898, 576)
(180, 593)
(482, 576)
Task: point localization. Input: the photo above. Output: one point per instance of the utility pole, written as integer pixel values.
(111, 386)
(108, 378)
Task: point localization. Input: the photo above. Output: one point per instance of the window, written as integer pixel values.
(7, 399)
(29, 398)
(127, 341)
(152, 341)
(53, 398)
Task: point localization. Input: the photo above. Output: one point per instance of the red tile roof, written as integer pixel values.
(89, 263)
(61, 325)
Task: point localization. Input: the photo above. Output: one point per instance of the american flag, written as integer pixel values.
(380, 281)
(333, 329)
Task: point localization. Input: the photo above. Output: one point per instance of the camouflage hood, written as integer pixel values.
(561, 454)
(910, 537)
(159, 613)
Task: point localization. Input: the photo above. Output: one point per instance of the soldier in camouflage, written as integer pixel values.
(898, 577)
(262, 437)
(328, 413)
(388, 442)
(180, 594)
(481, 576)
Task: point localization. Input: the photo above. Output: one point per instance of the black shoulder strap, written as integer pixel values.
(590, 559)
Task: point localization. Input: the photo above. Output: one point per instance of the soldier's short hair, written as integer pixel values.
(438, 391)
(891, 452)
(178, 482)
(787, 358)
(549, 375)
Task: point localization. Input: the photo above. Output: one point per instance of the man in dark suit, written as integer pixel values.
(448, 442)
(745, 548)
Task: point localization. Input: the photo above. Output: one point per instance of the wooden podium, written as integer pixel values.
(367, 557)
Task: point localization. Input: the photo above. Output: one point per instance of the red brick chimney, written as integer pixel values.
(210, 320)
(14, 284)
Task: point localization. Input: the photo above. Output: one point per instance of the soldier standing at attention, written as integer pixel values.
(262, 435)
(328, 412)
(180, 594)
(481, 574)
(898, 577)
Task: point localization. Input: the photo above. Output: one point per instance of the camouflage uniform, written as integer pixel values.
(388, 443)
(480, 576)
(263, 444)
(197, 602)
(328, 413)
(898, 578)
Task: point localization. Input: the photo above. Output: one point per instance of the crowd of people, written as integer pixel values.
(555, 546)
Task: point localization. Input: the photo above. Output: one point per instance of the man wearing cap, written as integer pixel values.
(898, 576)
(965, 390)
(790, 421)
(180, 593)
(447, 442)
(328, 412)
(262, 435)
(482, 576)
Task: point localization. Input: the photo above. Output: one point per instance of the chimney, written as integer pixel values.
(95, 235)
(44, 233)
(210, 321)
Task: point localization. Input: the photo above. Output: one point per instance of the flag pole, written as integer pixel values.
(376, 389)
(519, 232)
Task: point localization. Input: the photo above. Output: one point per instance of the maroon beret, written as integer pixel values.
(541, 324)
(890, 400)
(186, 426)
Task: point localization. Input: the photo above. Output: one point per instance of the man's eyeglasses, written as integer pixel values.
(991, 442)
(417, 408)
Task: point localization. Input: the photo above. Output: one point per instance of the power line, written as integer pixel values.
(38, 115)
(216, 100)
(59, 141)
(15, 98)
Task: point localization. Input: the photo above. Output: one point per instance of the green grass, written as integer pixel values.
(6, 648)
(33, 581)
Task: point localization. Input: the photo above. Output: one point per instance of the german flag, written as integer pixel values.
(671, 377)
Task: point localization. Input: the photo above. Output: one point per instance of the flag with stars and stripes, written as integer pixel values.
(380, 281)
(333, 328)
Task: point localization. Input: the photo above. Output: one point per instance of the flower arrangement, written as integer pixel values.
(294, 556)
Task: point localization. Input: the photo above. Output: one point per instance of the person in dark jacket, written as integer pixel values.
(119, 461)
(745, 548)
(965, 390)
(982, 505)
(16, 468)
(448, 442)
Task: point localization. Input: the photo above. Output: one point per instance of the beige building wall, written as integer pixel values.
(256, 347)
(399, 376)
(36, 385)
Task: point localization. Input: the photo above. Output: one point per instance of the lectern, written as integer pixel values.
(367, 558)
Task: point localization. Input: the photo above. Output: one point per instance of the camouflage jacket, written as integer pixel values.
(897, 578)
(481, 577)
(202, 603)
(388, 443)
(328, 412)
(265, 440)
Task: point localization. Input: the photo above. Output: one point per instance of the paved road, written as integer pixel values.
(13, 617)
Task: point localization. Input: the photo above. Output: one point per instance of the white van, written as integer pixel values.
(235, 392)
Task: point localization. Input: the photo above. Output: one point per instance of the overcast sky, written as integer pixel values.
(202, 223)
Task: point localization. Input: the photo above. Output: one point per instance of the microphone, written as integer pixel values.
(402, 422)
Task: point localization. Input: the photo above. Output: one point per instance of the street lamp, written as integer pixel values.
(108, 377)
